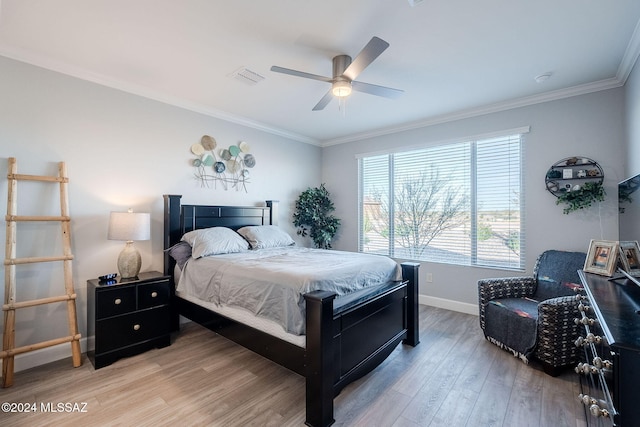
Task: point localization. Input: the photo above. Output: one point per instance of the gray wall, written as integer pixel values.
(588, 125)
(121, 151)
(632, 122)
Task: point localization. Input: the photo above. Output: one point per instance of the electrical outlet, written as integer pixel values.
(429, 277)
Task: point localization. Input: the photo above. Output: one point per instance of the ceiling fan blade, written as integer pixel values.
(324, 101)
(367, 55)
(300, 74)
(387, 92)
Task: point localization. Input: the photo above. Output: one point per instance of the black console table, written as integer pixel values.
(611, 315)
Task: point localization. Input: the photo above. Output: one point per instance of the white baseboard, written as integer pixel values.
(43, 356)
(448, 304)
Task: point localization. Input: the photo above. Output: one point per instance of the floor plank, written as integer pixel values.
(454, 377)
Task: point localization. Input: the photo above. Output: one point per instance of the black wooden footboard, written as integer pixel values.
(349, 337)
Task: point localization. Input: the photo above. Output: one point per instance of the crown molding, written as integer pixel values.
(486, 109)
(630, 57)
(145, 92)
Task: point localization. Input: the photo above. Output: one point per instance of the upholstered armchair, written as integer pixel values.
(533, 316)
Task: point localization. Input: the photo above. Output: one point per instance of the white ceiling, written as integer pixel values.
(453, 58)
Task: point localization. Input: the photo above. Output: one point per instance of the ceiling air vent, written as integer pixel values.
(246, 76)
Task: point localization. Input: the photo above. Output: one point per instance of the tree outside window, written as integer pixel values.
(458, 203)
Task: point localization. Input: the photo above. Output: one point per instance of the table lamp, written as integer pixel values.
(129, 226)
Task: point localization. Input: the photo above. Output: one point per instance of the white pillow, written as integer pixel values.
(214, 241)
(265, 236)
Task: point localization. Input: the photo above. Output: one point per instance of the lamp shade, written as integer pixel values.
(129, 226)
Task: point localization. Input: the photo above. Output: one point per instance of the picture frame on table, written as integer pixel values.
(602, 257)
(630, 257)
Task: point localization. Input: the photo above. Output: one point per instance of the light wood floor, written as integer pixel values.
(453, 378)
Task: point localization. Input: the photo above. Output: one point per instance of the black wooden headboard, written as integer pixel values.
(179, 219)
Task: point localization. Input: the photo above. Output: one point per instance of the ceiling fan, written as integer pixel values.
(345, 72)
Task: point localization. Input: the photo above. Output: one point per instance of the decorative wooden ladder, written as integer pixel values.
(10, 305)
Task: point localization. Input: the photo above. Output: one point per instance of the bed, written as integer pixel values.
(345, 336)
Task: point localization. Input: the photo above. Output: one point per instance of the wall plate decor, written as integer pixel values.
(230, 167)
(575, 181)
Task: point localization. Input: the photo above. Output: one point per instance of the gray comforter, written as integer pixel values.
(270, 282)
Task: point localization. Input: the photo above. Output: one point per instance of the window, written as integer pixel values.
(459, 203)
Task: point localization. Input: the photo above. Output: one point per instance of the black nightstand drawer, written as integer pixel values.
(115, 301)
(131, 328)
(153, 295)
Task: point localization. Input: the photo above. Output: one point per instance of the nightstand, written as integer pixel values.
(127, 316)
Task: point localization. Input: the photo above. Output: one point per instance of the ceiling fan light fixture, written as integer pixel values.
(341, 89)
(345, 72)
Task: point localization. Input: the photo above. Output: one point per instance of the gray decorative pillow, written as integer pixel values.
(214, 241)
(181, 252)
(266, 236)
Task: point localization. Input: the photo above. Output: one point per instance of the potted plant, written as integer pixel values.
(313, 217)
(581, 198)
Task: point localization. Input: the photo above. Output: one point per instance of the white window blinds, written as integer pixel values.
(458, 203)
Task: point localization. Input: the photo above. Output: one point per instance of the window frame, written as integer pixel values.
(506, 263)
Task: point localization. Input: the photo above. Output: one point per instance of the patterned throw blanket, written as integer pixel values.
(513, 321)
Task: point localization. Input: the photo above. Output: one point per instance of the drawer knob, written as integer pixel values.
(597, 411)
(117, 301)
(586, 399)
(585, 369)
(600, 363)
(154, 294)
(585, 321)
(136, 327)
(583, 308)
(594, 406)
(594, 338)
